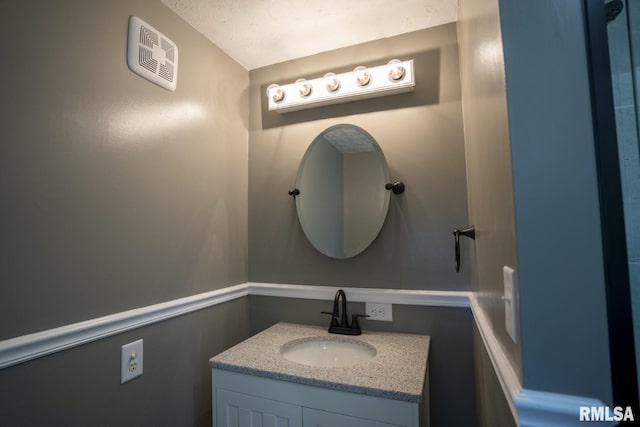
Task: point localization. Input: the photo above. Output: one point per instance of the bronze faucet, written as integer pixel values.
(339, 321)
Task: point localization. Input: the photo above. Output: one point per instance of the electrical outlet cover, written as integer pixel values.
(131, 361)
(379, 311)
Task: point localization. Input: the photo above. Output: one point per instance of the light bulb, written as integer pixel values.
(304, 87)
(276, 93)
(332, 82)
(396, 70)
(363, 76)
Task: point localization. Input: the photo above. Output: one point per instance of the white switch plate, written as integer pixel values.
(379, 311)
(510, 299)
(131, 361)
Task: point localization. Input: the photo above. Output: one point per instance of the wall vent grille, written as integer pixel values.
(151, 54)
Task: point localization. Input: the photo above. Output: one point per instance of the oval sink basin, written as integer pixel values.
(327, 352)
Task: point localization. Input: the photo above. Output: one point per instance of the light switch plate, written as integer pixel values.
(510, 299)
(130, 361)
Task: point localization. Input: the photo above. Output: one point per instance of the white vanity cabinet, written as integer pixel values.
(241, 400)
(259, 382)
(243, 410)
(315, 418)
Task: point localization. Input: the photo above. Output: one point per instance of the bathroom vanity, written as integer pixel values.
(302, 376)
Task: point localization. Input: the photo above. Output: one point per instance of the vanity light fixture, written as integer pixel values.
(304, 88)
(362, 83)
(363, 76)
(276, 93)
(332, 82)
(396, 70)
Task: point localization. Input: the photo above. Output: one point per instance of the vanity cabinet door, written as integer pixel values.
(315, 418)
(241, 410)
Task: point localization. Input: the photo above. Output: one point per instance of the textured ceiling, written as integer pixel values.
(257, 33)
(349, 139)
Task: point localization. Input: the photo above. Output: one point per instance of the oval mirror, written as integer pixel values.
(342, 203)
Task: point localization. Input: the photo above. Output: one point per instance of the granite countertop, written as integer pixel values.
(396, 372)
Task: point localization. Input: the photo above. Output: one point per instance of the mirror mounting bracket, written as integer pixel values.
(396, 187)
(295, 192)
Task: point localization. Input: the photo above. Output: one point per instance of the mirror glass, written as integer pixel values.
(343, 202)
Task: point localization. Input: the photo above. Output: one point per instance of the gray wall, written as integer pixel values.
(490, 190)
(452, 393)
(81, 387)
(116, 194)
(493, 408)
(421, 136)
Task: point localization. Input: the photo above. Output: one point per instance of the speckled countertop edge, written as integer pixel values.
(396, 372)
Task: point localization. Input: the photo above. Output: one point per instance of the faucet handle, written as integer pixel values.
(354, 320)
(334, 318)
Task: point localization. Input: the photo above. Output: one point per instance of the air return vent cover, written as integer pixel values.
(152, 55)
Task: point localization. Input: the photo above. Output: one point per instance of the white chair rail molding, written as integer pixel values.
(530, 408)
